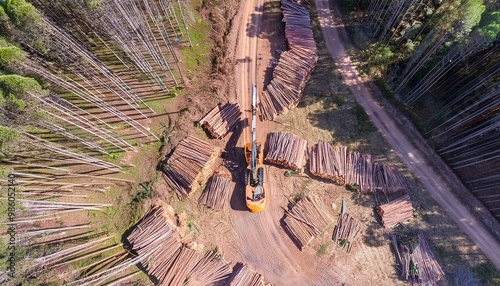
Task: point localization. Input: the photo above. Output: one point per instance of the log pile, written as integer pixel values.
(305, 219)
(216, 192)
(389, 179)
(244, 276)
(222, 119)
(150, 232)
(346, 231)
(174, 269)
(210, 269)
(287, 150)
(397, 211)
(328, 162)
(189, 165)
(353, 168)
(169, 261)
(416, 260)
(294, 65)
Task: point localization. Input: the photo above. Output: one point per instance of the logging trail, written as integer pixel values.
(261, 242)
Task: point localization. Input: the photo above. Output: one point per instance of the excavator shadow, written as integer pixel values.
(235, 163)
(237, 199)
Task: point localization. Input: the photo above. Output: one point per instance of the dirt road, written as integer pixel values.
(395, 137)
(261, 243)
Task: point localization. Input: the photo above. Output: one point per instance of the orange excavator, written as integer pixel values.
(256, 196)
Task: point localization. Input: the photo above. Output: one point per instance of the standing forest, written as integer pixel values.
(439, 61)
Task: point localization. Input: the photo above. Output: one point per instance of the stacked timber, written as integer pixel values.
(354, 168)
(287, 150)
(211, 269)
(387, 178)
(328, 162)
(416, 260)
(169, 261)
(397, 211)
(173, 270)
(294, 65)
(216, 192)
(346, 231)
(152, 235)
(305, 219)
(244, 276)
(221, 119)
(189, 165)
(150, 232)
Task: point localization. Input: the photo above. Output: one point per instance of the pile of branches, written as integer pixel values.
(353, 168)
(416, 260)
(189, 165)
(397, 211)
(169, 261)
(287, 150)
(216, 192)
(305, 219)
(294, 65)
(222, 119)
(244, 276)
(346, 231)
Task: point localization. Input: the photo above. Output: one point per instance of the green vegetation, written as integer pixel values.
(144, 193)
(487, 274)
(322, 249)
(299, 196)
(352, 188)
(364, 122)
(8, 139)
(198, 54)
(13, 92)
(10, 55)
(344, 243)
(22, 13)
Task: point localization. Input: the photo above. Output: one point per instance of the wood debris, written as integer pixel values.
(287, 150)
(216, 192)
(294, 65)
(346, 231)
(244, 276)
(221, 119)
(353, 168)
(397, 211)
(305, 219)
(416, 260)
(189, 166)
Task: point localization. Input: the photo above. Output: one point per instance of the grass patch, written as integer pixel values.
(364, 122)
(199, 52)
(322, 249)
